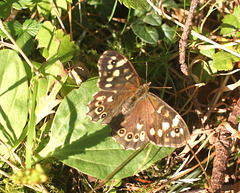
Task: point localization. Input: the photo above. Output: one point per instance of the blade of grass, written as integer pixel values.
(32, 123)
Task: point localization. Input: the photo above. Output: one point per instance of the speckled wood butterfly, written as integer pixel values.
(135, 115)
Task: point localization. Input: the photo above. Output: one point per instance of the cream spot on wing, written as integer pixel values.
(120, 63)
(165, 125)
(109, 66)
(181, 131)
(100, 98)
(166, 114)
(110, 99)
(160, 132)
(152, 131)
(126, 71)
(128, 77)
(113, 57)
(116, 73)
(166, 140)
(139, 126)
(108, 85)
(160, 109)
(173, 134)
(110, 79)
(142, 136)
(104, 73)
(175, 121)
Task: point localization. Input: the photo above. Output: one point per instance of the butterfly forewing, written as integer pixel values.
(116, 72)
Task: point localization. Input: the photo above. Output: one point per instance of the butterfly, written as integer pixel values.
(135, 115)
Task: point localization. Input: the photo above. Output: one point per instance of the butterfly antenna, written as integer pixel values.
(146, 72)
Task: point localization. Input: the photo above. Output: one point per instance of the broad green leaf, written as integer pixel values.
(13, 96)
(44, 7)
(55, 77)
(135, 4)
(88, 146)
(25, 42)
(153, 18)
(67, 47)
(45, 34)
(55, 43)
(231, 23)
(47, 39)
(21, 4)
(170, 4)
(60, 5)
(145, 33)
(5, 9)
(169, 33)
(208, 52)
(224, 61)
(13, 27)
(31, 27)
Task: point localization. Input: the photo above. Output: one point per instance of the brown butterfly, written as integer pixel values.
(136, 115)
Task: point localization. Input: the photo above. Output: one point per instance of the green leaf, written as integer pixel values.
(145, 33)
(153, 18)
(25, 42)
(13, 96)
(31, 26)
(169, 33)
(5, 9)
(56, 43)
(21, 4)
(224, 61)
(88, 146)
(13, 27)
(231, 23)
(44, 7)
(208, 52)
(47, 39)
(55, 77)
(170, 4)
(135, 4)
(66, 49)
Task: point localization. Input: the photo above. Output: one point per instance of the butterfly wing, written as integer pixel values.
(166, 126)
(130, 129)
(106, 105)
(118, 81)
(150, 120)
(117, 73)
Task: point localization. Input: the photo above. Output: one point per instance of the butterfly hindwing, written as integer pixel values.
(130, 129)
(104, 105)
(153, 120)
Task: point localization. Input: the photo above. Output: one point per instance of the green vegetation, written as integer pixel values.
(48, 74)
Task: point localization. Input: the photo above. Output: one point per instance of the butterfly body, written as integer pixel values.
(135, 115)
